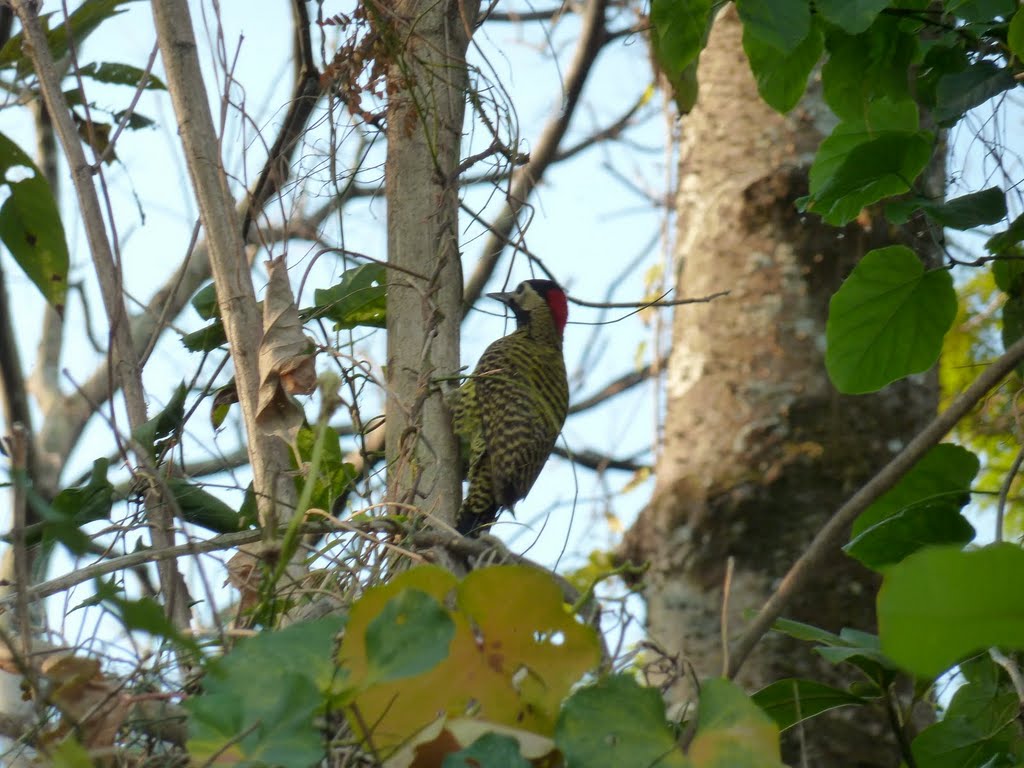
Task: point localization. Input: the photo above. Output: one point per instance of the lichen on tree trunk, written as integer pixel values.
(759, 448)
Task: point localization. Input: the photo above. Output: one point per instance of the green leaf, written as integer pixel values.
(887, 320)
(981, 11)
(1004, 241)
(965, 212)
(204, 509)
(866, 68)
(207, 338)
(780, 24)
(791, 701)
(732, 731)
(62, 518)
(680, 31)
(492, 750)
(135, 120)
(615, 722)
(142, 615)
(1015, 35)
(205, 302)
(943, 603)
(1009, 274)
(30, 224)
(977, 725)
(944, 474)
(91, 502)
(1013, 321)
(274, 729)
(782, 78)
(880, 167)
(411, 635)
(121, 74)
(359, 299)
(259, 700)
(896, 537)
(80, 24)
(853, 16)
(862, 650)
(807, 632)
(960, 91)
(335, 476)
(166, 425)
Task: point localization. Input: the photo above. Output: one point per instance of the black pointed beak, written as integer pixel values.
(507, 298)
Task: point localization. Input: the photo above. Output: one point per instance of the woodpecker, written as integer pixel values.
(509, 412)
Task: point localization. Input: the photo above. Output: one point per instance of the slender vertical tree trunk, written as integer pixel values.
(759, 448)
(427, 82)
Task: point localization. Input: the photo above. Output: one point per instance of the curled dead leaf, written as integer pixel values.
(286, 358)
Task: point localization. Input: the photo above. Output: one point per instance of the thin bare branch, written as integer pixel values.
(126, 368)
(599, 462)
(275, 492)
(593, 37)
(619, 385)
(12, 383)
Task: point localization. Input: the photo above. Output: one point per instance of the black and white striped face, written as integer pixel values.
(536, 295)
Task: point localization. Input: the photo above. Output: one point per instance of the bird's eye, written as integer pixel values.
(519, 289)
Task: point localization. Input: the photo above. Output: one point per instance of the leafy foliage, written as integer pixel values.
(30, 225)
(887, 320)
(942, 603)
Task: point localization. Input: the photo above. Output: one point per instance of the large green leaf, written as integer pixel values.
(202, 508)
(1003, 241)
(896, 537)
(944, 474)
(782, 78)
(732, 731)
(680, 32)
(942, 603)
(887, 320)
(1015, 35)
(960, 91)
(981, 11)
(165, 427)
(866, 68)
(615, 722)
(978, 724)
(259, 701)
(359, 299)
(964, 212)
(884, 165)
(121, 74)
(82, 22)
(791, 701)
(781, 24)
(854, 16)
(411, 635)
(30, 224)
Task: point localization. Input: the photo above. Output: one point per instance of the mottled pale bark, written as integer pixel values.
(759, 448)
(427, 82)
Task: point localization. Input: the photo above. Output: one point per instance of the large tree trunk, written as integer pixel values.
(759, 448)
(427, 81)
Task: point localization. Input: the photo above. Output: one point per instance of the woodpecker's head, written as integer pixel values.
(537, 300)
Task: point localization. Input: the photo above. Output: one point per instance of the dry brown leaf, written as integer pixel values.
(286, 362)
(244, 575)
(86, 698)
